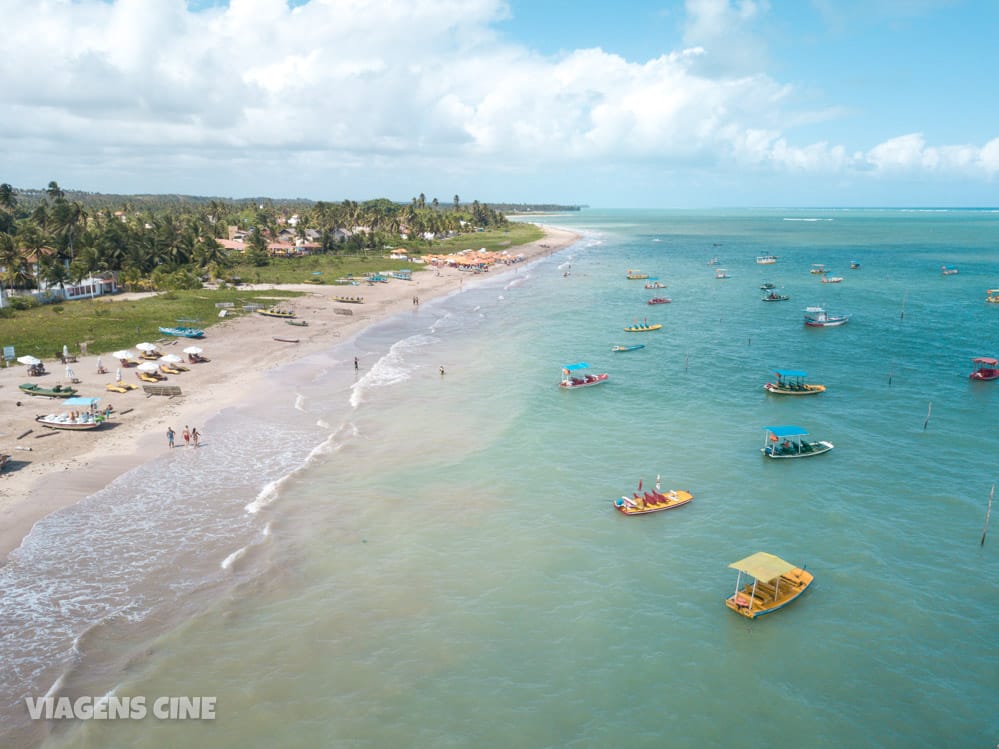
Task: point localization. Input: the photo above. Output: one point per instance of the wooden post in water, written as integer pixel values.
(891, 370)
(987, 513)
(686, 362)
(902, 315)
(928, 410)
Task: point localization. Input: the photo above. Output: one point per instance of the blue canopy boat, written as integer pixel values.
(786, 442)
(574, 377)
(183, 332)
(792, 382)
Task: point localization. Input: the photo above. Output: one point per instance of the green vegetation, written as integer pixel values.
(107, 324)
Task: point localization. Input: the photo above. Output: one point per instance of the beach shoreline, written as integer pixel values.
(61, 468)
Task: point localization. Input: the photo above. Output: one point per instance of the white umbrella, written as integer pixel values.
(148, 366)
(146, 346)
(99, 367)
(171, 359)
(124, 354)
(29, 360)
(65, 351)
(117, 375)
(193, 350)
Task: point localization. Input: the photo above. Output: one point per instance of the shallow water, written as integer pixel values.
(398, 558)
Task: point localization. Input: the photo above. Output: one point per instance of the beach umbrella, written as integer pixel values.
(171, 359)
(145, 346)
(65, 351)
(117, 375)
(99, 367)
(124, 354)
(193, 350)
(29, 360)
(148, 366)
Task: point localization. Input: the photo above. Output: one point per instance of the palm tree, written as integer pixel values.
(55, 192)
(8, 197)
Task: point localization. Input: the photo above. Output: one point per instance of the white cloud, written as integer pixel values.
(411, 86)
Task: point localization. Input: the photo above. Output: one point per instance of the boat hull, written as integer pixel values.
(831, 322)
(814, 448)
(776, 389)
(653, 502)
(619, 349)
(775, 298)
(744, 603)
(589, 381)
(69, 425)
(32, 389)
(183, 332)
(984, 375)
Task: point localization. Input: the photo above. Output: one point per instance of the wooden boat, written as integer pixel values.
(992, 296)
(183, 332)
(58, 391)
(659, 300)
(948, 270)
(986, 368)
(776, 583)
(275, 312)
(619, 348)
(286, 340)
(817, 317)
(766, 259)
(643, 503)
(818, 269)
(77, 421)
(299, 323)
(573, 377)
(642, 328)
(349, 299)
(786, 442)
(637, 275)
(832, 279)
(773, 296)
(655, 285)
(792, 382)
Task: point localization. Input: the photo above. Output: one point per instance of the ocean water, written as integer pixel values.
(399, 558)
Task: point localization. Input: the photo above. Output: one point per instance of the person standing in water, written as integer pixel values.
(187, 436)
(195, 436)
(170, 434)
(442, 370)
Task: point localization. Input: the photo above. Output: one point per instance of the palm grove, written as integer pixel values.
(48, 239)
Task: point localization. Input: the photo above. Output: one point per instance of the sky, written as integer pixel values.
(634, 104)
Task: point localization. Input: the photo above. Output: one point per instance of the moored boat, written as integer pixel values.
(642, 327)
(57, 391)
(832, 279)
(986, 368)
(721, 273)
(792, 382)
(183, 332)
(992, 296)
(948, 270)
(643, 503)
(773, 296)
(655, 284)
(784, 442)
(574, 376)
(766, 259)
(818, 269)
(349, 299)
(88, 417)
(767, 285)
(817, 317)
(637, 275)
(619, 348)
(775, 584)
(854, 265)
(659, 300)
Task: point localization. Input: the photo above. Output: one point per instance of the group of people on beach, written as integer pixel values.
(191, 436)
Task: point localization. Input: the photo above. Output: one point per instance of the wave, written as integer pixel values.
(809, 219)
(392, 368)
(519, 281)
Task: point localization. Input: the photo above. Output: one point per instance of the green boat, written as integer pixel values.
(53, 392)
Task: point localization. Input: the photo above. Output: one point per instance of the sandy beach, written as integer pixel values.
(50, 469)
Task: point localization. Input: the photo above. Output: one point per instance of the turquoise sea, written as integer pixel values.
(403, 559)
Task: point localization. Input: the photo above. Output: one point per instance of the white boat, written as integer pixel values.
(721, 273)
(832, 279)
(817, 317)
(766, 260)
(948, 270)
(784, 442)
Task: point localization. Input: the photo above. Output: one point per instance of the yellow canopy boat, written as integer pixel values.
(775, 584)
(637, 275)
(642, 328)
(992, 296)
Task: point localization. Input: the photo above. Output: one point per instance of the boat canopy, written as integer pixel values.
(786, 431)
(81, 401)
(986, 360)
(574, 367)
(790, 373)
(763, 566)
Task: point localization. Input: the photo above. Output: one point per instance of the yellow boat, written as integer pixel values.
(644, 328)
(992, 296)
(776, 583)
(275, 312)
(637, 275)
(792, 382)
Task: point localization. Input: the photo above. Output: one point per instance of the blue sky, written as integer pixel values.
(703, 103)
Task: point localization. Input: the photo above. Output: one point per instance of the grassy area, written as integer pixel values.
(109, 324)
(495, 240)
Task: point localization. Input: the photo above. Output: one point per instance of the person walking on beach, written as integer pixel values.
(356, 364)
(187, 436)
(442, 370)
(195, 436)
(170, 434)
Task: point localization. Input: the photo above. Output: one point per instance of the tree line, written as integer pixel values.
(51, 237)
